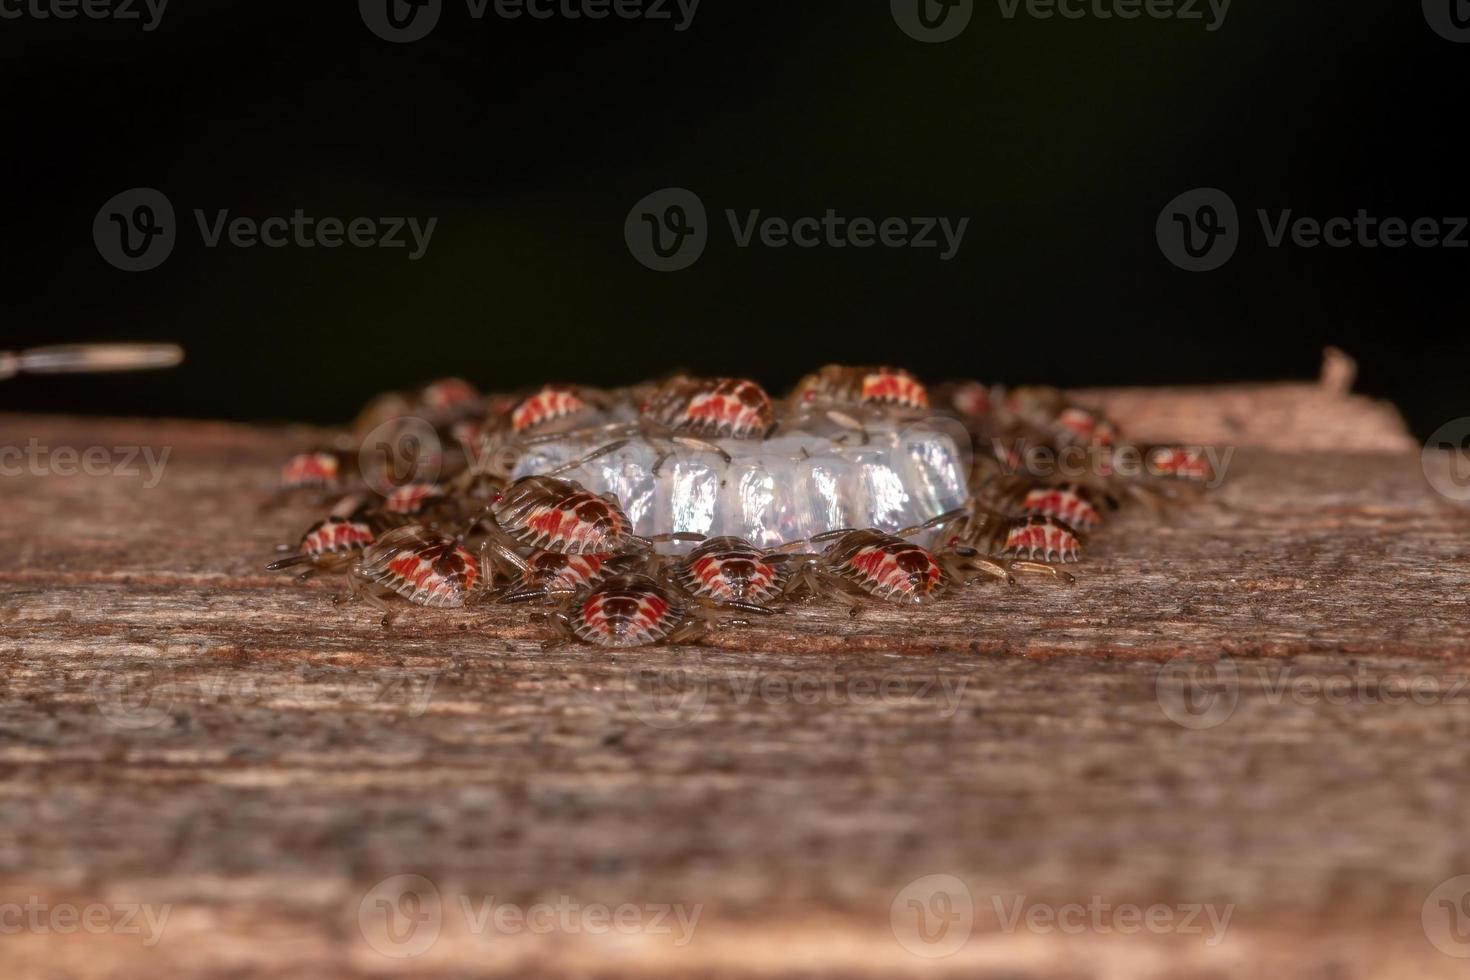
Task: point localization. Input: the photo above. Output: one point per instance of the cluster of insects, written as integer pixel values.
(435, 498)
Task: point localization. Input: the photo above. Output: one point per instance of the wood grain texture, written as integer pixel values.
(180, 728)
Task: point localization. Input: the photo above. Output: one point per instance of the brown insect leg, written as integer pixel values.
(362, 589)
(957, 567)
(1026, 565)
(566, 638)
(692, 628)
(820, 584)
(533, 593)
(948, 517)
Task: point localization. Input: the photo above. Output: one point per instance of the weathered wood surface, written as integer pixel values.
(179, 728)
(1285, 416)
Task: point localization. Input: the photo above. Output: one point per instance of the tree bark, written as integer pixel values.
(181, 729)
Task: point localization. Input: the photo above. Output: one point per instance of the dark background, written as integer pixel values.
(531, 140)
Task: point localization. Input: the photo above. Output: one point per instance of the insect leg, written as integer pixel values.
(504, 553)
(1040, 566)
(533, 593)
(363, 589)
(598, 453)
(566, 638)
(849, 423)
(948, 517)
(825, 584)
(831, 535)
(744, 606)
(959, 562)
(701, 445)
(692, 628)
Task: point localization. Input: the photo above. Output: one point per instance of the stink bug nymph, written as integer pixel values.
(888, 566)
(561, 515)
(867, 387)
(331, 544)
(1032, 542)
(730, 571)
(552, 574)
(423, 566)
(628, 611)
(713, 408)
